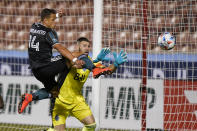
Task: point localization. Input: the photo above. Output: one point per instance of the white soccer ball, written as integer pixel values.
(166, 41)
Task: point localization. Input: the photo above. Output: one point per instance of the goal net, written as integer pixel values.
(155, 90)
(168, 75)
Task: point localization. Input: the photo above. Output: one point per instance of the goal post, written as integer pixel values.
(97, 46)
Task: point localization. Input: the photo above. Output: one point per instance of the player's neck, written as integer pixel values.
(44, 24)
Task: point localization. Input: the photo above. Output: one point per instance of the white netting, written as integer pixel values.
(16, 18)
(171, 105)
(171, 75)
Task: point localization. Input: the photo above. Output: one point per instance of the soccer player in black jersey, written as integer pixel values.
(43, 38)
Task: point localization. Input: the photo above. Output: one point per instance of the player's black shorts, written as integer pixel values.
(47, 73)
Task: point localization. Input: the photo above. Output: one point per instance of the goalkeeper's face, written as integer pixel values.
(84, 47)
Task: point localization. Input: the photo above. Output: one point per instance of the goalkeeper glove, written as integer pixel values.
(121, 58)
(102, 54)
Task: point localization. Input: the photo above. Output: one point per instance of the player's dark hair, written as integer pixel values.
(82, 39)
(46, 13)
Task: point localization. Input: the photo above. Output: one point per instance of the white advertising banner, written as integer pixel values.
(120, 105)
(11, 88)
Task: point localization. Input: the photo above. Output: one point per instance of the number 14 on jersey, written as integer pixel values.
(32, 43)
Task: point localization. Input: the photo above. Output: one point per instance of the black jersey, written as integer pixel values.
(40, 46)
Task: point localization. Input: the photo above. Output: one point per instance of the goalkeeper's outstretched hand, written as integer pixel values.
(102, 54)
(119, 59)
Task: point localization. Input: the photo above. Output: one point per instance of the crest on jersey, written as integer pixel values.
(56, 117)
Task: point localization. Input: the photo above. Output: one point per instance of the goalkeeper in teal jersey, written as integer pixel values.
(70, 100)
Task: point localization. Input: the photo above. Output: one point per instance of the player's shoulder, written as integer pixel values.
(53, 31)
(40, 26)
(36, 25)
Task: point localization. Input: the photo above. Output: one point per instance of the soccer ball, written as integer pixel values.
(166, 41)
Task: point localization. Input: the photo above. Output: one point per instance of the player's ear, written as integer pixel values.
(44, 21)
(78, 46)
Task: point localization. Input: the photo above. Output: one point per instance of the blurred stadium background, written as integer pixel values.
(122, 22)
(171, 91)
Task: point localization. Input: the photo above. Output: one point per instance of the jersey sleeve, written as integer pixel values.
(52, 38)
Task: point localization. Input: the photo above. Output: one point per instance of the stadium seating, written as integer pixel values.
(60, 34)
(87, 8)
(122, 21)
(183, 38)
(24, 8)
(35, 9)
(22, 36)
(193, 37)
(70, 22)
(119, 22)
(19, 22)
(6, 22)
(71, 36)
(107, 22)
(10, 35)
(132, 21)
(1, 39)
(87, 34)
(84, 23)
(194, 8)
(74, 9)
(158, 23)
(109, 7)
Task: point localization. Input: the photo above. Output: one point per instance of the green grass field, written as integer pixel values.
(19, 127)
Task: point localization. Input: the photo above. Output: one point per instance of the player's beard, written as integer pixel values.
(86, 53)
